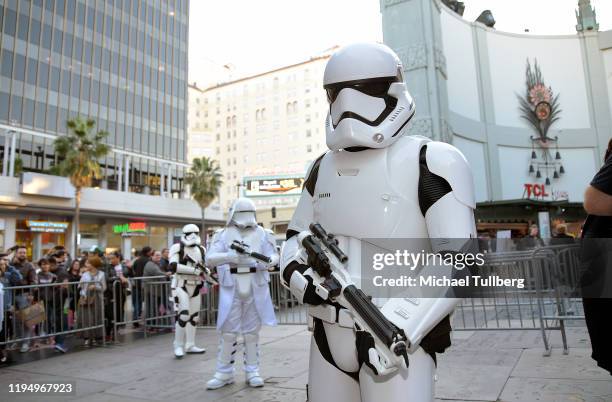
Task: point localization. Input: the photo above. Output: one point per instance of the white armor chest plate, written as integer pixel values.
(253, 238)
(372, 193)
(194, 253)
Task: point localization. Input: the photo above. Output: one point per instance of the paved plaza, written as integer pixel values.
(480, 366)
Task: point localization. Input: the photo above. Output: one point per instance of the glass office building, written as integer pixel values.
(121, 62)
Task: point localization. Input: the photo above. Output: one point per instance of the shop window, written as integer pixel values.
(27, 231)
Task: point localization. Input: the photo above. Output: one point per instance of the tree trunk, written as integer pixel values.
(203, 231)
(77, 219)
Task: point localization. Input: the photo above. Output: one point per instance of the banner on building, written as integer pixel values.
(47, 226)
(273, 185)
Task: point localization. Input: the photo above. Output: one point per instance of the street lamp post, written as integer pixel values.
(238, 185)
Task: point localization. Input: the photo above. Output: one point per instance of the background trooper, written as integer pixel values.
(186, 284)
(376, 183)
(244, 295)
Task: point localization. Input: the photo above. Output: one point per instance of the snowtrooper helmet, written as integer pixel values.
(191, 235)
(369, 104)
(242, 214)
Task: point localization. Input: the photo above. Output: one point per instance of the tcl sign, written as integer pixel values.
(535, 190)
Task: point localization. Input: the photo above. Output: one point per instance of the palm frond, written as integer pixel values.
(205, 180)
(79, 152)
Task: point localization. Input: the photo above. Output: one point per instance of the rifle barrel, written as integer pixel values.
(328, 241)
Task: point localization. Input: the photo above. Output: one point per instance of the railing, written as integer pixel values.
(545, 303)
(57, 309)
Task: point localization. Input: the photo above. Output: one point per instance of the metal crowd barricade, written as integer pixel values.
(158, 307)
(562, 285)
(505, 308)
(288, 310)
(209, 306)
(151, 304)
(61, 313)
(545, 303)
(132, 301)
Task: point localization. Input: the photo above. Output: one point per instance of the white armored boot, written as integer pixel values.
(225, 361)
(179, 341)
(251, 360)
(190, 346)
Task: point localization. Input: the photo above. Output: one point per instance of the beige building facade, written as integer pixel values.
(199, 136)
(264, 131)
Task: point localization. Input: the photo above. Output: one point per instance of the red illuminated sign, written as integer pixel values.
(535, 190)
(132, 227)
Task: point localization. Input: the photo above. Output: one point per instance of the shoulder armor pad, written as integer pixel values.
(175, 248)
(312, 175)
(449, 163)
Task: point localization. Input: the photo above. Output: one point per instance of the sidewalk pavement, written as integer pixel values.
(480, 366)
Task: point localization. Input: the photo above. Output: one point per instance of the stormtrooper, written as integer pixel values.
(187, 264)
(375, 182)
(244, 296)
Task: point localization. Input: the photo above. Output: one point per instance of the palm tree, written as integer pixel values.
(205, 179)
(79, 151)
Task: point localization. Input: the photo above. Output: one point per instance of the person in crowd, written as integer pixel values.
(20, 262)
(53, 298)
(155, 292)
(597, 257)
(74, 275)
(74, 271)
(140, 262)
(164, 263)
(92, 287)
(52, 264)
(9, 276)
(46, 295)
(532, 240)
(61, 254)
(153, 266)
(24, 297)
(137, 272)
(63, 297)
(116, 292)
(60, 268)
(82, 266)
(561, 237)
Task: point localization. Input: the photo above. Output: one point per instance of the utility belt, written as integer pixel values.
(331, 314)
(183, 279)
(243, 270)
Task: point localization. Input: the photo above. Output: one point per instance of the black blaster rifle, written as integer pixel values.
(206, 272)
(334, 283)
(243, 248)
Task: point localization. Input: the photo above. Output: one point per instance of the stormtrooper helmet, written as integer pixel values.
(369, 104)
(242, 214)
(191, 235)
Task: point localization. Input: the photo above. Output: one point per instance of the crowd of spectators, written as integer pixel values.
(59, 296)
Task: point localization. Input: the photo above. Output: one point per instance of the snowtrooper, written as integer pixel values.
(187, 264)
(376, 182)
(244, 296)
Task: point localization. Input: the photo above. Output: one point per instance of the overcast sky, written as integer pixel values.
(257, 35)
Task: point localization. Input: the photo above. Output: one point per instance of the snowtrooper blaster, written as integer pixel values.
(243, 248)
(206, 272)
(334, 283)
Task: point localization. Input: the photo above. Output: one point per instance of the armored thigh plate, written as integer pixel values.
(243, 285)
